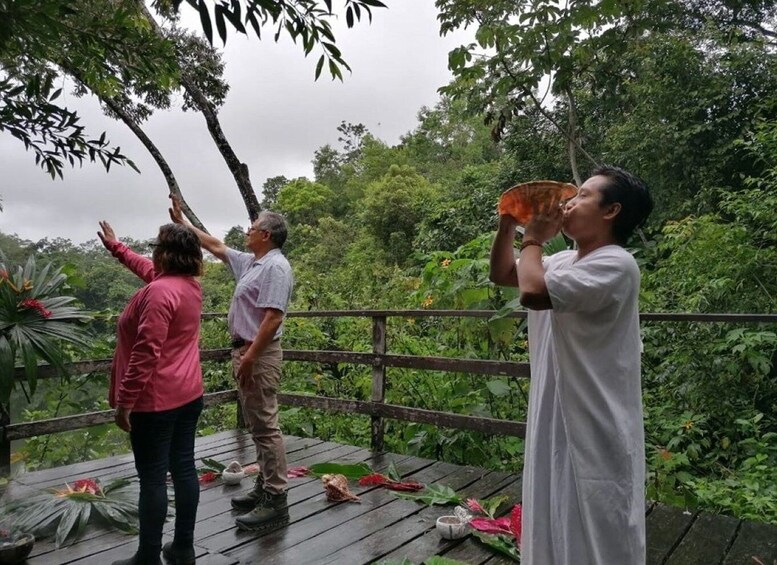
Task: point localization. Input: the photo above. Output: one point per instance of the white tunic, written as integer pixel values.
(583, 480)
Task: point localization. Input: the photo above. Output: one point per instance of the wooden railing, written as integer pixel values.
(378, 358)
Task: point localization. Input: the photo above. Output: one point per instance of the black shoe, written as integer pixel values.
(249, 500)
(270, 514)
(177, 556)
(135, 560)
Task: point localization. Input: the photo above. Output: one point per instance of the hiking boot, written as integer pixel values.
(270, 514)
(178, 556)
(249, 500)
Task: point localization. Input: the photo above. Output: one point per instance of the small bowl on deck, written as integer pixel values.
(16, 549)
(232, 478)
(451, 527)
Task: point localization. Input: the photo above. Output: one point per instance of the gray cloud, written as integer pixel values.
(275, 116)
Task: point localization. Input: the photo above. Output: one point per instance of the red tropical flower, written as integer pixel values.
(376, 479)
(87, 485)
(492, 525)
(475, 506)
(81, 486)
(297, 472)
(516, 523)
(208, 477)
(35, 304)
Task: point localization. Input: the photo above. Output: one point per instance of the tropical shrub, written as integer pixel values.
(36, 322)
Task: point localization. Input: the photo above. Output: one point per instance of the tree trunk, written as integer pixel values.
(572, 139)
(238, 169)
(167, 172)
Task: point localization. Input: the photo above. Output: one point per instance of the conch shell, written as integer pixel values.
(336, 488)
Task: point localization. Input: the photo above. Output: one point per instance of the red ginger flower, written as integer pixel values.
(492, 525)
(208, 477)
(35, 304)
(81, 486)
(376, 479)
(475, 506)
(297, 472)
(87, 485)
(516, 521)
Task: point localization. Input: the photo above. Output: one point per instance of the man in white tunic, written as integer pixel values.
(584, 472)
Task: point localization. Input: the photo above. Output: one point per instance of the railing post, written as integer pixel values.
(5, 445)
(378, 379)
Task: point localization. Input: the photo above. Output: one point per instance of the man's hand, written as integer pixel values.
(176, 214)
(107, 234)
(507, 222)
(122, 418)
(545, 223)
(245, 370)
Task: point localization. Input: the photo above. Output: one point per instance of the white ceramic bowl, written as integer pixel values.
(451, 527)
(230, 478)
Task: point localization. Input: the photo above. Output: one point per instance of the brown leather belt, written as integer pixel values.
(238, 342)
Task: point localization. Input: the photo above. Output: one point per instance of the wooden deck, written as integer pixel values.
(382, 527)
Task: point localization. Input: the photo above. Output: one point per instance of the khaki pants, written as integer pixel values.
(260, 412)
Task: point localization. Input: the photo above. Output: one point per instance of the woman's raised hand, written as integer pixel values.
(176, 214)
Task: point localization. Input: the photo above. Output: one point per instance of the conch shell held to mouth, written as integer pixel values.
(336, 488)
(523, 200)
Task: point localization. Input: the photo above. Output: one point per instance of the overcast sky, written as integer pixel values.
(275, 116)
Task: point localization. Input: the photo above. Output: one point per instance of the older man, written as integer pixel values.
(264, 283)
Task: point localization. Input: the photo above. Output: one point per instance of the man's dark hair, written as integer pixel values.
(275, 224)
(633, 196)
(177, 250)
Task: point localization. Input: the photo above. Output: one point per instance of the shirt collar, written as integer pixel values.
(270, 253)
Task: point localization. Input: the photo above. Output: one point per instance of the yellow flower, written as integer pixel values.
(27, 285)
(427, 302)
(445, 263)
(411, 321)
(688, 425)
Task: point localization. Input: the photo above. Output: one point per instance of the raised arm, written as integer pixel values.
(207, 241)
(143, 267)
(545, 223)
(502, 264)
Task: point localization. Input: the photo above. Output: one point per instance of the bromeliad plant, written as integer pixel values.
(35, 322)
(67, 511)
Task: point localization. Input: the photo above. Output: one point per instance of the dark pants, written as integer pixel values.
(163, 441)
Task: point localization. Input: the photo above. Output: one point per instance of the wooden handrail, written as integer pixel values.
(378, 358)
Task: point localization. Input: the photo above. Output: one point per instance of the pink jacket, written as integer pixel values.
(156, 365)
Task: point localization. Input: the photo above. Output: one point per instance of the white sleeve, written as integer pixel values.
(593, 283)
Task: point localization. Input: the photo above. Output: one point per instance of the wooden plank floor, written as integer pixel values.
(382, 527)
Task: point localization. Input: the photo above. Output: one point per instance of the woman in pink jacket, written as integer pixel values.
(156, 385)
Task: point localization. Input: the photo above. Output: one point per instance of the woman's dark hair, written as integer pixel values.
(177, 251)
(633, 196)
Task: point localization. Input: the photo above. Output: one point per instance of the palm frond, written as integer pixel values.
(66, 513)
(36, 321)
